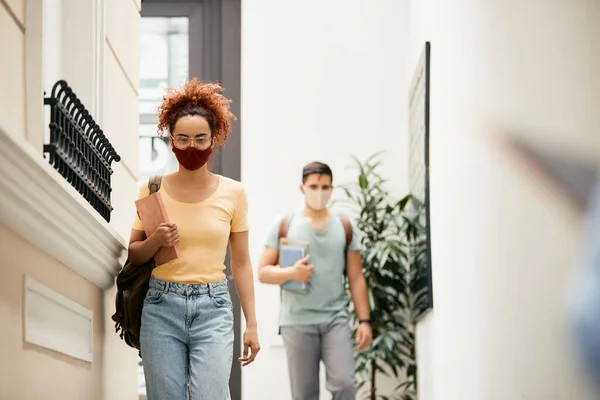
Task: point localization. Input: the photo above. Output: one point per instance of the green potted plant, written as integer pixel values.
(416, 294)
(392, 235)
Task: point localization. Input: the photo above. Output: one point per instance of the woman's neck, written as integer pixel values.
(201, 176)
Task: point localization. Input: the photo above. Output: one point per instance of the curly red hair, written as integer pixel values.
(197, 98)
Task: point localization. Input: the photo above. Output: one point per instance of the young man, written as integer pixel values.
(315, 326)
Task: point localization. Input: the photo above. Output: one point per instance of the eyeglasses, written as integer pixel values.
(183, 142)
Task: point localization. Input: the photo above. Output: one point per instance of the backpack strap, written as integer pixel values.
(284, 225)
(154, 183)
(347, 230)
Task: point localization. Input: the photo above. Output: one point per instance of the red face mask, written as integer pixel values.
(192, 158)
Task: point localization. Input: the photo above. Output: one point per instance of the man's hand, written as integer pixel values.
(302, 272)
(251, 346)
(364, 336)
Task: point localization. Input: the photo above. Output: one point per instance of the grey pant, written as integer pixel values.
(307, 345)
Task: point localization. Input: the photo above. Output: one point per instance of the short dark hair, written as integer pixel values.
(316, 168)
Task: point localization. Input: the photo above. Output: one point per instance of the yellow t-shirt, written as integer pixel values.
(204, 230)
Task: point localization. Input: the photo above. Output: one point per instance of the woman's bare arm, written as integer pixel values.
(241, 268)
(142, 249)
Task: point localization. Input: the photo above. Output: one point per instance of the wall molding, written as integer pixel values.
(57, 323)
(34, 73)
(11, 13)
(98, 57)
(42, 207)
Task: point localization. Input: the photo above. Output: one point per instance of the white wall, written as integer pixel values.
(320, 81)
(504, 244)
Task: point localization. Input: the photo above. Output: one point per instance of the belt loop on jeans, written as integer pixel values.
(211, 290)
(166, 290)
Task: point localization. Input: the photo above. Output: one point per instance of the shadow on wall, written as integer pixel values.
(577, 182)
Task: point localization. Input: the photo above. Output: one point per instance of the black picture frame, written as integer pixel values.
(419, 138)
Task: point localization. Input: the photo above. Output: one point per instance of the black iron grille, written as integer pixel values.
(78, 149)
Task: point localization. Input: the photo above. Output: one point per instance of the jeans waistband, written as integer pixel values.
(189, 289)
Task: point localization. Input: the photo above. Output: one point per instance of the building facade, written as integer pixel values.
(61, 255)
(320, 80)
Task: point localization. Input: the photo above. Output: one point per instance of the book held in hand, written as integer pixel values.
(152, 213)
(290, 252)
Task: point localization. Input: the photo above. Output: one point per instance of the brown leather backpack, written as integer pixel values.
(132, 286)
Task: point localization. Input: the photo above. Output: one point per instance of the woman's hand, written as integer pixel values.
(251, 346)
(241, 268)
(167, 234)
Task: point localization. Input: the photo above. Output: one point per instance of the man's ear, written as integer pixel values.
(302, 189)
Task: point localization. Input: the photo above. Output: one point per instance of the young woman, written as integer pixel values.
(187, 321)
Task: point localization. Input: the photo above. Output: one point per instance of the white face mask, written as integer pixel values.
(317, 199)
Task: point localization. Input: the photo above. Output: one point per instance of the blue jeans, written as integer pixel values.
(186, 341)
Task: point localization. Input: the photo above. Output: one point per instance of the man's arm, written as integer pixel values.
(360, 297)
(358, 285)
(268, 270)
(142, 249)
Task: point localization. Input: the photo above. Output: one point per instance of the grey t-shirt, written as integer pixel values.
(325, 299)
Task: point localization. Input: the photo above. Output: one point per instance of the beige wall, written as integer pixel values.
(120, 115)
(32, 372)
(120, 122)
(18, 9)
(107, 82)
(12, 68)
